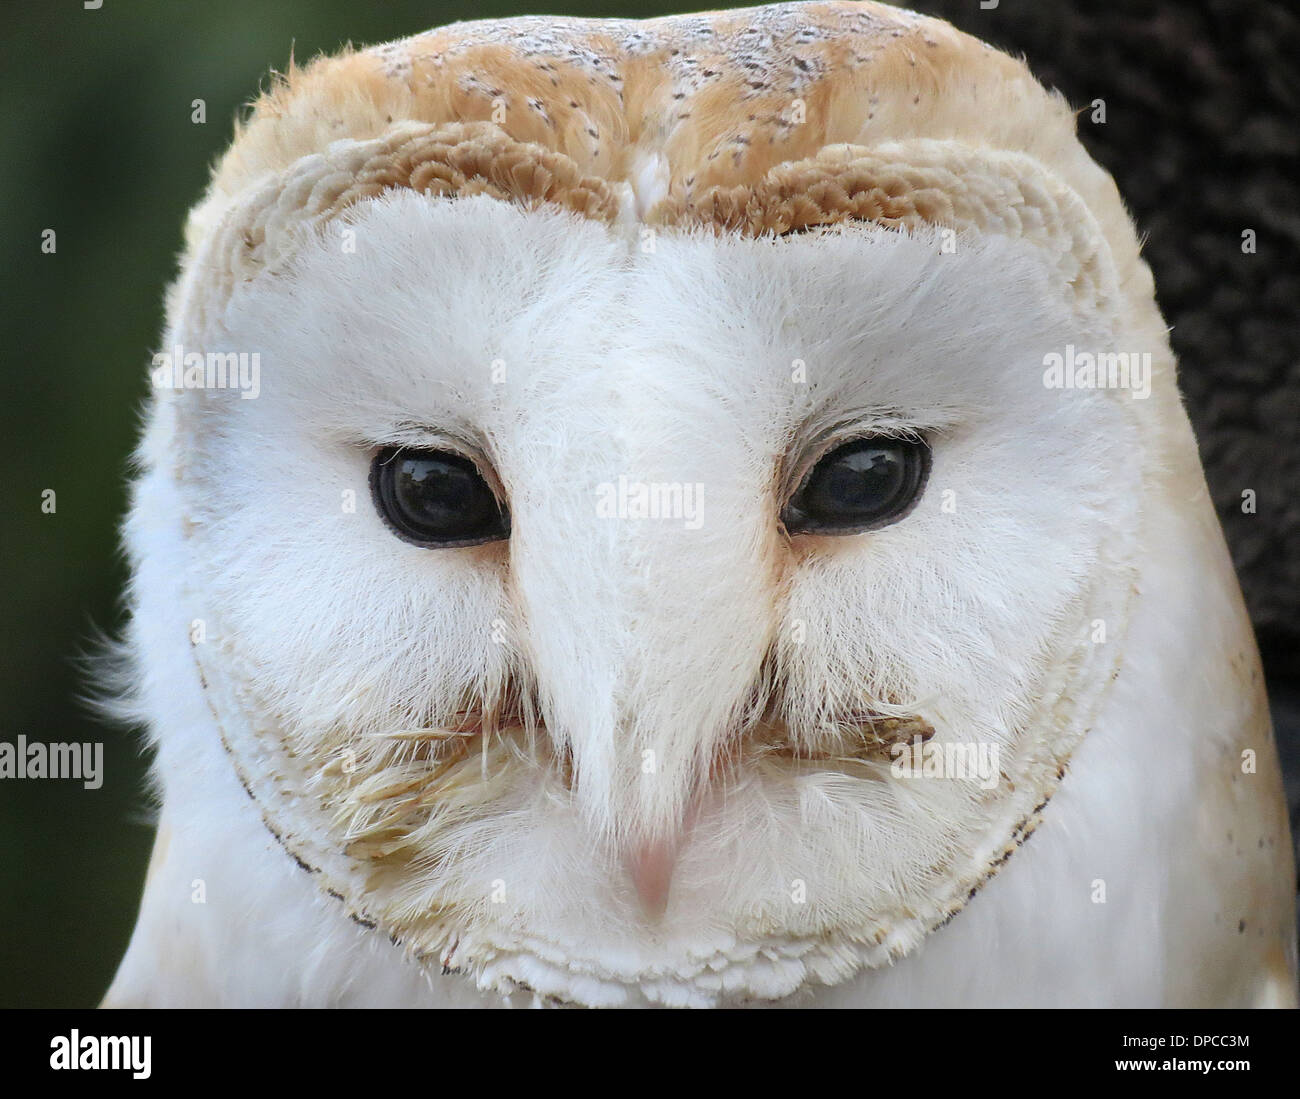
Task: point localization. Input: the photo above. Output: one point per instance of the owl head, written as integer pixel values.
(649, 509)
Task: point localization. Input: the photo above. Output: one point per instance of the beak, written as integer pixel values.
(645, 635)
(650, 865)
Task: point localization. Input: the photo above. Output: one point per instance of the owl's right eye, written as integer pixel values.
(435, 498)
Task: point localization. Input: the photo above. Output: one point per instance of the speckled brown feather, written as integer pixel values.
(679, 107)
(714, 94)
(754, 121)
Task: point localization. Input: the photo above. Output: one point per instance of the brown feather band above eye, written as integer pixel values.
(910, 185)
(767, 121)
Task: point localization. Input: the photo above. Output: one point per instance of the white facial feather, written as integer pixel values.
(648, 636)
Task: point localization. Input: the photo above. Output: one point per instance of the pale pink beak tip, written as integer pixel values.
(650, 867)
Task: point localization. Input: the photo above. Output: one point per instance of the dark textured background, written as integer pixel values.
(1201, 135)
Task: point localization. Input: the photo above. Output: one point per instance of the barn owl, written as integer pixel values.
(691, 512)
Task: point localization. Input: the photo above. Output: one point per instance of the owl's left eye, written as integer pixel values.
(864, 484)
(436, 499)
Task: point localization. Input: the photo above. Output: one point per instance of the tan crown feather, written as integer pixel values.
(755, 120)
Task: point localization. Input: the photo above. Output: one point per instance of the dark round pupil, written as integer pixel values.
(862, 484)
(856, 483)
(433, 496)
(440, 495)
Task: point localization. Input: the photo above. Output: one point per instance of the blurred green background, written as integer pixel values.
(98, 144)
